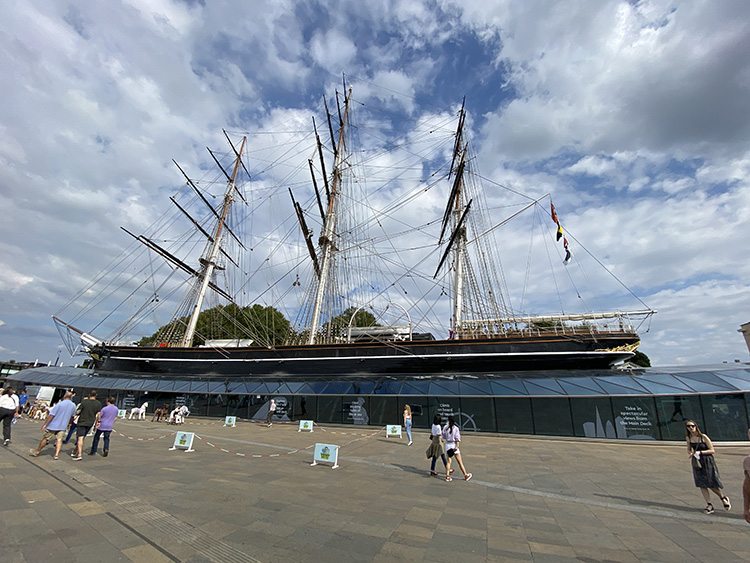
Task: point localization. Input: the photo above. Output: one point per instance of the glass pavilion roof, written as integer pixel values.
(680, 380)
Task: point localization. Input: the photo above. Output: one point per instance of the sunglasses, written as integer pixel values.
(690, 426)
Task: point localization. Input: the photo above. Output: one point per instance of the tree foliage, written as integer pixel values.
(641, 359)
(340, 323)
(266, 326)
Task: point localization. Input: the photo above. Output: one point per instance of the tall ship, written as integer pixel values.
(358, 255)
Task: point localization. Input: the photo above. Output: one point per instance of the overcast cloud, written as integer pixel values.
(634, 116)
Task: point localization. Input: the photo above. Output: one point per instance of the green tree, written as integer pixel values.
(641, 359)
(266, 326)
(340, 322)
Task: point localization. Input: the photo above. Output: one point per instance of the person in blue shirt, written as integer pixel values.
(23, 398)
(57, 422)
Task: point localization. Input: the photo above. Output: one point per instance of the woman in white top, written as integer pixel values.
(8, 412)
(452, 436)
(436, 445)
(407, 422)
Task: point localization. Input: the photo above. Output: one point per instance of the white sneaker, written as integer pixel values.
(409, 444)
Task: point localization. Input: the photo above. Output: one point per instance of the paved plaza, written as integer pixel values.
(250, 494)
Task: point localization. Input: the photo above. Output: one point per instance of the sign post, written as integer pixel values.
(183, 441)
(393, 430)
(305, 425)
(122, 413)
(326, 452)
(230, 421)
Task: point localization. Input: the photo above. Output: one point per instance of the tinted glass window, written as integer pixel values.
(330, 409)
(514, 415)
(477, 415)
(635, 418)
(384, 410)
(674, 411)
(592, 418)
(725, 416)
(552, 416)
(356, 410)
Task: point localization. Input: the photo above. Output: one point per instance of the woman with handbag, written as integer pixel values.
(452, 436)
(705, 472)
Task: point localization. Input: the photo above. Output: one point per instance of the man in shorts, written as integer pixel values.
(57, 422)
(88, 416)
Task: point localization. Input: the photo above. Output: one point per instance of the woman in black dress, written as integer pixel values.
(705, 472)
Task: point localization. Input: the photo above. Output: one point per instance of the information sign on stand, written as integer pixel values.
(183, 441)
(305, 425)
(393, 430)
(122, 413)
(326, 453)
(230, 421)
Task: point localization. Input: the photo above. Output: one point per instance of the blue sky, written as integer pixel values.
(635, 116)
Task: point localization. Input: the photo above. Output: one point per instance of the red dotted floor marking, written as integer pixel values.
(361, 437)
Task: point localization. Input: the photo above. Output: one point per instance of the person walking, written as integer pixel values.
(8, 412)
(23, 401)
(271, 411)
(436, 446)
(407, 423)
(56, 423)
(452, 437)
(705, 473)
(73, 425)
(105, 423)
(87, 417)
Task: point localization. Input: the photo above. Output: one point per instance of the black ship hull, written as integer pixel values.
(516, 353)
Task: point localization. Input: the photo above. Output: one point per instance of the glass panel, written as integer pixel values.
(217, 405)
(237, 387)
(330, 409)
(356, 410)
(585, 388)
(182, 386)
(705, 377)
(217, 387)
(444, 387)
(257, 407)
(167, 385)
(360, 387)
(664, 384)
(387, 387)
(592, 418)
(477, 415)
(552, 416)
(197, 404)
(635, 418)
(543, 387)
(199, 387)
(725, 416)
(508, 387)
(304, 407)
(237, 405)
(674, 411)
(135, 384)
(514, 415)
(337, 388)
(739, 384)
(475, 387)
(444, 406)
(408, 388)
(384, 410)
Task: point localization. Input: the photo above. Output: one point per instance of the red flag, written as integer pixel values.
(554, 215)
(568, 255)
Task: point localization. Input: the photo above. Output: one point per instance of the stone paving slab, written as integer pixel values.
(249, 494)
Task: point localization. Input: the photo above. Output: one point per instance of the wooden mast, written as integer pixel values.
(327, 241)
(208, 262)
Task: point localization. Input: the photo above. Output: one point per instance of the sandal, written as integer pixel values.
(727, 504)
(449, 478)
(709, 509)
